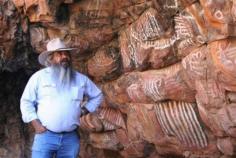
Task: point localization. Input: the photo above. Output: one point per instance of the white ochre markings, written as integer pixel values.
(179, 119)
(152, 88)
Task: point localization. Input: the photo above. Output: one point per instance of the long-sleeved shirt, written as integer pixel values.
(57, 111)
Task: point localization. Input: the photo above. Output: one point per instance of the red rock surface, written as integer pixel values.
(167, 70)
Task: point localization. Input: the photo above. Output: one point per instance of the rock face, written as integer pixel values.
(167, 70)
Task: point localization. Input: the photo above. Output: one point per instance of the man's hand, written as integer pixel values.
(38, 127)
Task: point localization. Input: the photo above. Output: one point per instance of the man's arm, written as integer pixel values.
(27, 105)
(94, 95)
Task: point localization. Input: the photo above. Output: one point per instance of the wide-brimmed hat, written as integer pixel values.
(53, 45)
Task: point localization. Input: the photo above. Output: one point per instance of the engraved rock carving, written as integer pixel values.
(167, 69)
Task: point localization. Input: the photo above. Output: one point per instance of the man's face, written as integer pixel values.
(61, 58)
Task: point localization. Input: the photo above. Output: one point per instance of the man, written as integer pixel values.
(51, 102)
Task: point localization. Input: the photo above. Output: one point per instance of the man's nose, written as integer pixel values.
(64, 56)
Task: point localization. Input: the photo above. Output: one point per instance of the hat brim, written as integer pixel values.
(43, 56)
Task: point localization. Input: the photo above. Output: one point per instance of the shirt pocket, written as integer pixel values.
(48, 90)
(77, 95)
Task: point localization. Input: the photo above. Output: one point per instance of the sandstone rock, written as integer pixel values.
(91, 123)
(111, 119)
(149, 86)
(134, 41)
(106, 63)
(106, 140)
(167, 70)
(219, 18)
(225, 146)
(223, 58)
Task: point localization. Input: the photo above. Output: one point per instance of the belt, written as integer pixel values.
(63, 132)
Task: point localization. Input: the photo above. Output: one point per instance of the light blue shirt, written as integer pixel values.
(57, 111)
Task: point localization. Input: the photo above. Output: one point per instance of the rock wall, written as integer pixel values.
(167, 70)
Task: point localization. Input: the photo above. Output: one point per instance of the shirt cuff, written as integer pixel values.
(30, 118)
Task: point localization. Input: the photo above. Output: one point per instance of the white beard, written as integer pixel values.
(63, 76)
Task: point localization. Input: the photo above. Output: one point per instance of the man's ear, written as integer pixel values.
(49, 60)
